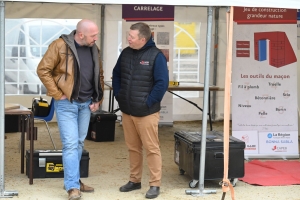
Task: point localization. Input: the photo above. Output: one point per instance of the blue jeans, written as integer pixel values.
(73, 122)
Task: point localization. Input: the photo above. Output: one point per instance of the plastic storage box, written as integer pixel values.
(102, 126)
(48, 164)
(187, 155)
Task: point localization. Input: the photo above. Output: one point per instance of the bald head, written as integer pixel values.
(85, 24)
(86, 32)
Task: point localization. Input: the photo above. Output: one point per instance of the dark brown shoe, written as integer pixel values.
(85, 188)
(74, 194)
(130, 186)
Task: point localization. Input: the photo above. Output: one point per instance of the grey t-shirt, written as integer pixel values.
(86, 72)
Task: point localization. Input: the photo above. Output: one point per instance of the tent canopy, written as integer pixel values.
(253, 3)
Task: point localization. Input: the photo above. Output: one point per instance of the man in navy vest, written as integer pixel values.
(140, 80)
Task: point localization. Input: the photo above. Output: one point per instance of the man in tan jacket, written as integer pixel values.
(72, 73)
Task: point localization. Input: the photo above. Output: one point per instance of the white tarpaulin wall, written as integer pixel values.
(16, 10)
(252, 3)
(42, 10)
(182, 110)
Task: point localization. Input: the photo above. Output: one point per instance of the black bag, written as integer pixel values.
(40, 107)
(102, 126)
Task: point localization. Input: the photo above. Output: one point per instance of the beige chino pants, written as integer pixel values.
(142, 132)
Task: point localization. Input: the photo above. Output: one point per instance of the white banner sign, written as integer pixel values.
(264, 77)
(251, 141)
(278, 143)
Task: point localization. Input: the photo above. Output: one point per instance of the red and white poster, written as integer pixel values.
(264, 81)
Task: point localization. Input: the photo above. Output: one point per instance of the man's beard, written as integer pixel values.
(91, 44)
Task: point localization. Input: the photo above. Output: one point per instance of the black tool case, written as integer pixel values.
(40, 107)
(187, 155)
(48, 164)
(102, 126)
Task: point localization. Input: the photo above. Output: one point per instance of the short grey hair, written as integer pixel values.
(143, 28)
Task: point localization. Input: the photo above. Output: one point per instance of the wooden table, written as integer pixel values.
(181, 87)
(192, 87)
(25, 124)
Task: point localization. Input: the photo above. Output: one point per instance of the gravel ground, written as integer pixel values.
(109, 169)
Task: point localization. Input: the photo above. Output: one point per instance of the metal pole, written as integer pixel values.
(1, 99)
(201, 190)
(3, 193)
(216, 48)
(102, 30)
(102, 38)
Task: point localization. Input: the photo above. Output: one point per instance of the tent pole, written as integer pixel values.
(102, 35)
(3, 193)
(201, 190)
(215, 69)
(102, 30)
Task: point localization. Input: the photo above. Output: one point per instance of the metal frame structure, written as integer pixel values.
(295, 4)
(3, 193)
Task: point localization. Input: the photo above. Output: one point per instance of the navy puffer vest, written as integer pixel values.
(137, 81)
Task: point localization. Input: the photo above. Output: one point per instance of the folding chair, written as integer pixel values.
(47, 119)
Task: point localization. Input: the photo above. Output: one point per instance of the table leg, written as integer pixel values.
(109, 102)
(31, 131)
(22, 126)
(30, 136)
(209, 115)
(112, 102)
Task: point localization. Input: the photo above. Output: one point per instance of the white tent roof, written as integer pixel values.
(244, 3)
